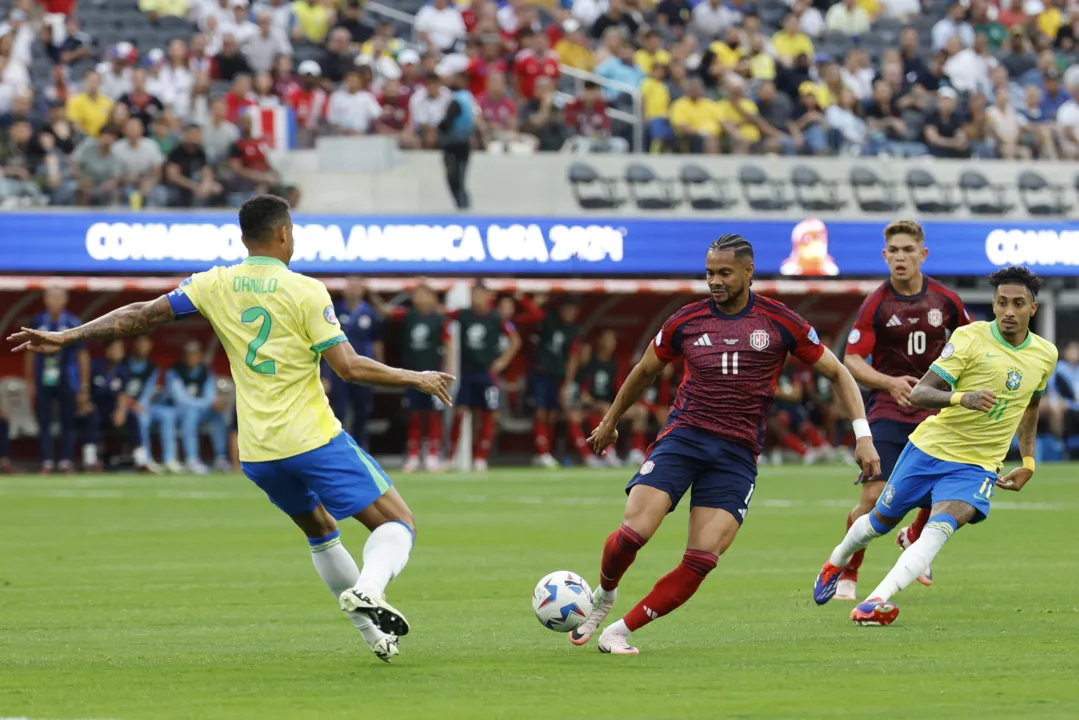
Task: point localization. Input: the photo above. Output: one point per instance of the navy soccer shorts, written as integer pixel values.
(890, 437)
(339, 475)
(722, 474)
(546, 392)
(478, 391)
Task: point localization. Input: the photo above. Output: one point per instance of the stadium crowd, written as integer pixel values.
(113, 401)
(174, 114)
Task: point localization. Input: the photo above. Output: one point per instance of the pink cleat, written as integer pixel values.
(612, 643)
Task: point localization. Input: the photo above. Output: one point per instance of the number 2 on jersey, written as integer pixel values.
(250, 315)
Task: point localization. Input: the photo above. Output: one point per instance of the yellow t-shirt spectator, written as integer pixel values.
(727, 113)
(574, 55)
(871, 7)
(88, 113)
(313, 19)
(656, 99)
(824, 95)
(699, 115)
(727, 56)
(1049, 22)
(646, 60)
(788, 47)
(164, 8)
(762, 66)
(393, 47)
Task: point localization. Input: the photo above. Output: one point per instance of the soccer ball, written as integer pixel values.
(562, 601)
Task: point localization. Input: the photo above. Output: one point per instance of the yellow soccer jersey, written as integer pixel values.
(274, 324)
(978, 358)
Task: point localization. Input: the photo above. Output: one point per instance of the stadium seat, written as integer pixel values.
(657, 193)
(711, 193)
(814, 193)
(882, 196)
(1039, 196)
(928, 195)
(601, 195)
(762, 192)
(982, 197)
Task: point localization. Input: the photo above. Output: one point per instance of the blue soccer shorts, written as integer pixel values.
(890, 438)
(339, 475)
(722, 474)
(546, 392)
(479, 391)
(921, 480)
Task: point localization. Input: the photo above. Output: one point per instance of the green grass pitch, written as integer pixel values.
(134, 597)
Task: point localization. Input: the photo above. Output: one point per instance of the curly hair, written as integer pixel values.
(1017, 275)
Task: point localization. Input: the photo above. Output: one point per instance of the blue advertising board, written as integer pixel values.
(118, 242)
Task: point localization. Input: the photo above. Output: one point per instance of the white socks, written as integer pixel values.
(338, 570)
(89, 454)
(859, 536)
(912, 563)
(618, 627)
(385, 556)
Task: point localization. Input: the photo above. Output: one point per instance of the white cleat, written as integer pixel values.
(386, 617)
(174, 467)
(635, 457)
(412, 464)
(602, 602)
(432, 463)
(546, 460)
(479, 466)
(846, 590)
(612, 643)
(386, 648)
(903, 541)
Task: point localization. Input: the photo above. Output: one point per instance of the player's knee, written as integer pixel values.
(881, 524)
(871, 493)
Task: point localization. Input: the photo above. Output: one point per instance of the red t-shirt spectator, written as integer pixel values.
(479, 69)
(395, 111)
(498, 112)
(587, 120)
(236, 104)
(528, 68)
(63, 7)
(309, 106)
(251, 153)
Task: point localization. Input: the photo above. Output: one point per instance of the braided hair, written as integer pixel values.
(732, 241)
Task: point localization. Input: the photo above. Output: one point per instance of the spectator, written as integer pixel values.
(981, 21)
(386, 34)
(285, 81)
(968, 68)
(314, 18)
(1005, 128)
(60, 128)
(848, 18)
(656, 101)
(500, 118)
(616, 16)
(145, 405)
(177, 75)
(810, 121)
(1051, 18)
(762, 65)
(156, 82)
(620, 70)
(192, 388)
(1067, 120)
(240, 97)
(309, 101)
(440, 26)
(353, 109)
(89, 110)
(845, 118)
(252, 172)
(196, 107)
(238, 23)
(777, 113)
(1062, 401)
(482, 63)
(20, 158)
(695, 121)
(336, 59)
(739, 117)
(218, 134)
(888, 130)
(282, 18)
(140, 103)
(790, 42)
(1054, 95)
(164, 8)
(455, 138)
(572, 48)
(189, 175)
(586, 118)
(810, 19)
(230, 62)
(943, 130)
(199, 57)
(711, 18)
(858, 75)
(57, 382)
(106, 409)
(265, 44)
(350, 20)
(161, 132)
(394, 119)
(953, 24)
(139, 161)
(75, 45)
(212, 15)
(902, 10)
(1039, 126)
(1019, 58)
(265, 97)
(543, 118)
(651, 53)
(726, 54)
(533, 61)
(427, 107)
(674, 15)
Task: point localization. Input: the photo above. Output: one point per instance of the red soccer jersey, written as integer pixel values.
(528, 68)
(498, 113)
(395, 111)
(252, 154)
(310, 107)
(587, 120)
(732, 363)
(904, 334)
(479, 70)
(236, 104)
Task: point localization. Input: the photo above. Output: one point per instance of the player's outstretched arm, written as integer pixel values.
(846, 389)
(133, 319)
(354, 368)
(633, 389)
(1028, 431)
(933, 391)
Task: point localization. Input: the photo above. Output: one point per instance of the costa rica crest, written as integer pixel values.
(758, 339)
(936, 317)
(1014, 380)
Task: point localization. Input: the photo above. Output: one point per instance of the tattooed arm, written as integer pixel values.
(133, 319)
